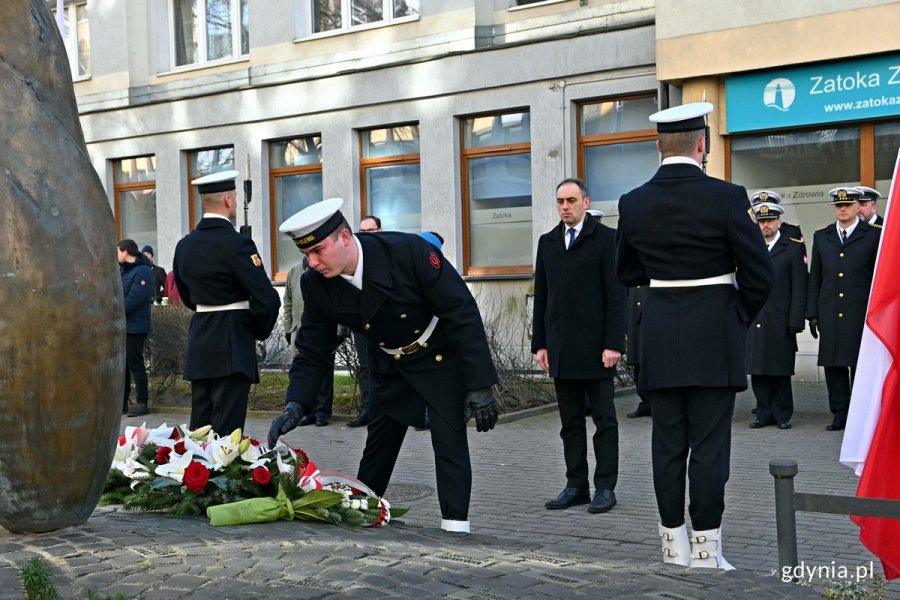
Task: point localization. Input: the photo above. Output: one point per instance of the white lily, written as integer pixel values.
(133, 469)
(198, 450)
(200, 433)
(161, 436)
(224, 450)
(174, 469)
(254, 456)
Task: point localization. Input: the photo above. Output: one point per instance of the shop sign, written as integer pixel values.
(855, 90)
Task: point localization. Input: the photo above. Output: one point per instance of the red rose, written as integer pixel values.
(162, 455)
(195, 477)
(261, 475)
(179, 447)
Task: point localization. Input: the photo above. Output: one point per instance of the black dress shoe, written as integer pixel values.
(568, 497)
(139, 410)
(306, 420)
(321, 422)
(784, 426)
(640, 412)
(835, 426)
(362, 419)
(759, 424)
(603, 502)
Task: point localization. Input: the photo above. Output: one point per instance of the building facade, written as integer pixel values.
(457, 116)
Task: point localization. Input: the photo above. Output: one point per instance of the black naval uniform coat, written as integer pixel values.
(216, 265)
(579, 304)
(840, 276)
(683, 224)
(636, 296)
(771, 347)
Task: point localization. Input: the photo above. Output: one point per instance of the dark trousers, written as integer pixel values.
(135, 368)
(365, 374)
(451, 460)
(698, 420)
(774, 398)
(644, 404)
(839, 381)
(570, 394)
(220, 402)
(325, 400)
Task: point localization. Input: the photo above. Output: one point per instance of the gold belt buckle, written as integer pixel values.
(411, 348)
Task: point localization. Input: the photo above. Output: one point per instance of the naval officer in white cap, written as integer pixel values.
(692, 239)
(427, 339)
(221, 277)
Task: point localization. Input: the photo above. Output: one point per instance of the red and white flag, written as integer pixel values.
(871, 443)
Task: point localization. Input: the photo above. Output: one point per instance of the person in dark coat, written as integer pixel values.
(427, 340)
(159, 275)
(220, 276)
(578, 336)
(137, 284)
(635, 302)
(868, 205)
(772, 339)
(791, 230)
(692, 239)
(840, 275)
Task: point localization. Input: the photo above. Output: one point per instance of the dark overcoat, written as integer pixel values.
(579, 304)
(771, 347)
(683, 224)
(216, 265)
(635, 304)
(406, 281)
(840, 276)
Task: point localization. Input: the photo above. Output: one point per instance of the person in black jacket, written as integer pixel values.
(578, 336)
(692, 239)
(159, 275)
(137, 284)
(772, 338)
(840, 274)
(427, 340)
(220, 276)
(790, 230)
(868, 205)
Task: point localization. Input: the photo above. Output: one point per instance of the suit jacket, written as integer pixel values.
(840, 276)
(771, 347)
(406, 281)
(683, 224)
(216, 265)
(579, 304)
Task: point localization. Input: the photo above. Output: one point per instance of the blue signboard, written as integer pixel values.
(852, 90)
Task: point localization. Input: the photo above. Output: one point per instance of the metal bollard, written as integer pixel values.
(784, 470)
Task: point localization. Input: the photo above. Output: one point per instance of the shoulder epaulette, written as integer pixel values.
(825, 228)
(796, 240)
(876, 225)
(791, 224)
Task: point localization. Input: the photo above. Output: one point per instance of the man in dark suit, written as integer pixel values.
(690, 237)
(635, 304)
(578, 337)
(868, 205)
(220, 276)
(772, 339)
(840, 275)
(427, 340)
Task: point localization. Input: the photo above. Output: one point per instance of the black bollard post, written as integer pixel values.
(784, 470)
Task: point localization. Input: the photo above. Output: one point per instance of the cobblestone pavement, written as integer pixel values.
(517, 548)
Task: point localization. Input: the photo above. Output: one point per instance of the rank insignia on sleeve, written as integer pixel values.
(434, 259)
(256, 260)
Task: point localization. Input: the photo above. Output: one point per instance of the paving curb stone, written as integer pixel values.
(517, 549)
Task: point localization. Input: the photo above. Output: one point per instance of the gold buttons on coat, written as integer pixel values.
(840, 274)
(438, 358)
(417, 331)
(424, 344)
(841, 255)
(758, 325)
(367, 326)
(397, 357)
(403, 316)
(841, 295)
(841, 315)
(381, 344)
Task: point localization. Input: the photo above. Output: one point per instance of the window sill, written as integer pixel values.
(207, 65)
(366, 27)
(526, 6)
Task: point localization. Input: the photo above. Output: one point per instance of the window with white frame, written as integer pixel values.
(334, 15)
(207, 31)
(76, 37)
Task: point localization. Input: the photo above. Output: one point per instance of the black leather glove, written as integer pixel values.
(285, 422)
(795, 330)
(814, 328)
(481, 405)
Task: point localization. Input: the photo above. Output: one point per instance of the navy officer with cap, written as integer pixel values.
(788, 229)
(428, 343)
(772, 339)
(220, 276)
(690, 238)
(868, 205)
(841, 267)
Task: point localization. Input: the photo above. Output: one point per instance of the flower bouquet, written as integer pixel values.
(234, 480)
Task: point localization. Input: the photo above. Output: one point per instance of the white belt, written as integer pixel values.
(416, 345)
(727, 279)
(239, 305)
